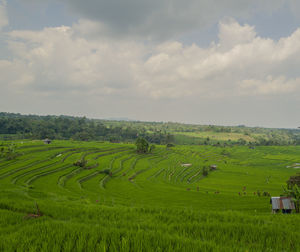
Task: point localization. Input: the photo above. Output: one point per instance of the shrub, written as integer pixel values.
(169, 145)
(9, 153)
(106, 171)
(205, 171)
(81, 163)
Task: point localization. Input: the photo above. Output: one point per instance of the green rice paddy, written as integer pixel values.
(124, 201)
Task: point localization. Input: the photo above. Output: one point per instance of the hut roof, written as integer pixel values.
(282, 203)
(186, 165)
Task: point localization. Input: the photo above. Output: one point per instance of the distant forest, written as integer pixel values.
(17, 126)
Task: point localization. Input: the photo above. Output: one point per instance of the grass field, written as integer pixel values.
(220, 136)
(123, 201)
(212, 138)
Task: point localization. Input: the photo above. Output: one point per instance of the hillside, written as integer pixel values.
(185, 198)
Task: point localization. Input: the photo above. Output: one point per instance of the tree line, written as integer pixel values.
(16, 126)
(76, 128)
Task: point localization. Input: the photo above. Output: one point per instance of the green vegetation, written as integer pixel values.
(142, 146)
(213, 135)
(293, 190)
(8, 152)
(16, 126)
(184, 198)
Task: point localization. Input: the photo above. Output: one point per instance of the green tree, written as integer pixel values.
(142, 146)
(293, 190)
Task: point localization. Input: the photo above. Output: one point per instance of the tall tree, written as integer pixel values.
(293, 190)
(142, 146)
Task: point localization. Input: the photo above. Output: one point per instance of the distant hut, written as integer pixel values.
(47, 141)
(213, 167)
(186, 165)
(282, 203)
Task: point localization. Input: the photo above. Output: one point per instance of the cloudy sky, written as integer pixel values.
(224, 62)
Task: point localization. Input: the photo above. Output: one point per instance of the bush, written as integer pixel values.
(81, 163)
(205, 171)
(169, 145)
(106, 171)
(9, 153)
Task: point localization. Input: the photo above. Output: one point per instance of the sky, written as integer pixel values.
(222, 62)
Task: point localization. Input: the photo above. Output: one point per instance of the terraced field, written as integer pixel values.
(163, 201)
(219, 136)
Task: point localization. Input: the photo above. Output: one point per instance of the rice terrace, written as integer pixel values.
(66, 195)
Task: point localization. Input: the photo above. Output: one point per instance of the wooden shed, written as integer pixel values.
(47, 141)
(213, 167)
(282, 203)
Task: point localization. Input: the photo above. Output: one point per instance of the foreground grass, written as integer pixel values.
(88, 227)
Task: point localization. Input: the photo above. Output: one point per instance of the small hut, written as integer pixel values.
(282, 203)
(47, 141)
(186, 165)
(213, 167)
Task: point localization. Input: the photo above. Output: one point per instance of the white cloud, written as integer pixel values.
(279, 85)
(64, 61)
(231, 34)
(3, 15)
(70, 61)
(176, 70)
